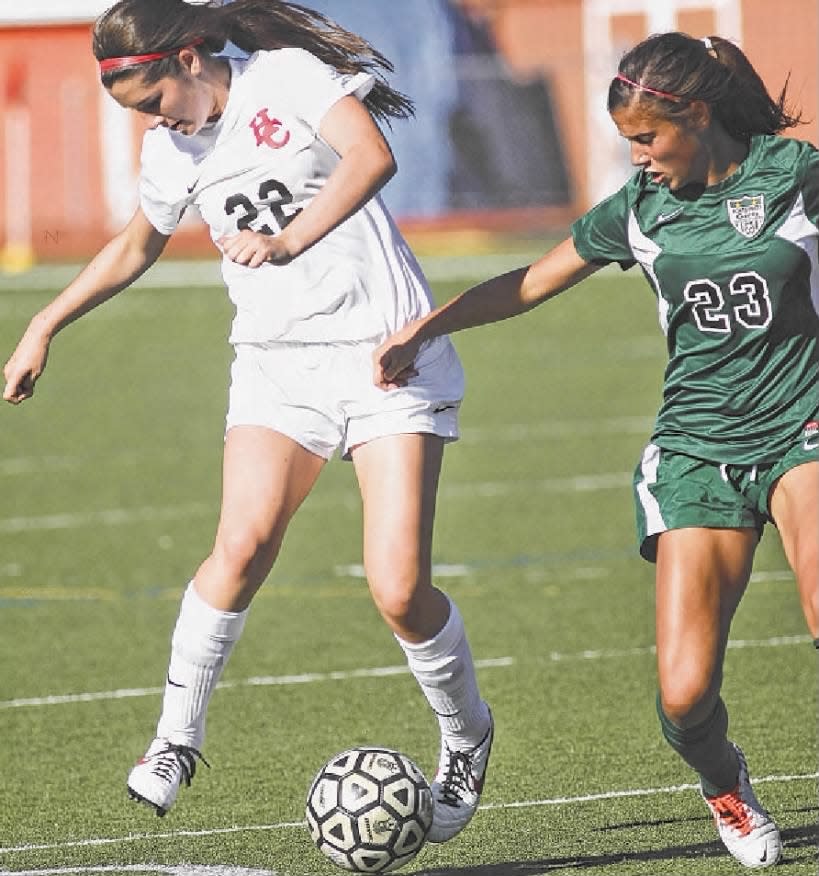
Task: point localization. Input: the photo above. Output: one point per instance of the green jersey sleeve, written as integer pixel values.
(601, 235)
(810, 186)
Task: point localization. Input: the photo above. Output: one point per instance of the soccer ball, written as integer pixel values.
(369, 810)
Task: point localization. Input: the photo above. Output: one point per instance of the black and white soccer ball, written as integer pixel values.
(369, 810)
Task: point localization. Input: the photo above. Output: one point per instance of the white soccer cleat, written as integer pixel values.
(456, 790)
(745, 828)
(159, 773)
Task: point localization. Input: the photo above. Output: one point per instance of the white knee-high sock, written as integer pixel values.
(444, 669)
(201, 644)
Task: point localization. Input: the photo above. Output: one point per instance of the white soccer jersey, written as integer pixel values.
(258, 166)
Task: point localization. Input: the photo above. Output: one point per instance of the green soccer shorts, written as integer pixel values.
(676, 491)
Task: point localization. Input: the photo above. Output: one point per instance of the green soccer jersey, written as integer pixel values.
(735, 269)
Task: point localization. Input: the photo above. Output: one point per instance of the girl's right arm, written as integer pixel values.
(124, 258)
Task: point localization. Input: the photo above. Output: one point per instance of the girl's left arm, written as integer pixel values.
(366, 165)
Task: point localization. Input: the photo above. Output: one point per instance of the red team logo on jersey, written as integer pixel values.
(268, 131)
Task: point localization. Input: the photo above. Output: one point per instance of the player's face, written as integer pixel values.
(670, 152)
(181, 103)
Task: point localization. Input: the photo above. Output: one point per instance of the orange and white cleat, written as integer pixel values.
(745, 828)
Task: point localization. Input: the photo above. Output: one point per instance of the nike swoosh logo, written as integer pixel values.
(193, 185)
(662, 218)
(174, 683)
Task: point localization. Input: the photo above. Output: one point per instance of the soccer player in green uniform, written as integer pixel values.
(722, 216)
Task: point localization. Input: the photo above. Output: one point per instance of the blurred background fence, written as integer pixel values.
(511, 132)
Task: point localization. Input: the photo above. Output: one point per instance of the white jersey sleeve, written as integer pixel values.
(312, 87)
(166, 173)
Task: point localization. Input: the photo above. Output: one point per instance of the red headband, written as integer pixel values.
(108, 64)
(641, 87)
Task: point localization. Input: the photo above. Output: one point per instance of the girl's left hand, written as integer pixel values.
(252, 248)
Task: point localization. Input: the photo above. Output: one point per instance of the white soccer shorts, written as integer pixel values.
(323, 396)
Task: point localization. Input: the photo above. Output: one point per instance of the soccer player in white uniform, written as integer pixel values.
(280, 153)
(722, 215)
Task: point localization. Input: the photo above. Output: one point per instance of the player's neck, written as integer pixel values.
(218, 73)
(726, 155)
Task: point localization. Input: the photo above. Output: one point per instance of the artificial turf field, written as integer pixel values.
(110, 481)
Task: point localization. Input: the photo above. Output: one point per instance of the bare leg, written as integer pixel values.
(266, 477)
(701, 576)
(795, 509)
(398, 476)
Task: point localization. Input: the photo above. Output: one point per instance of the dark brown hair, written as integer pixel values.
(713, 70)
(136, 27)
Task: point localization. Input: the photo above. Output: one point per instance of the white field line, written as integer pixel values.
(373, 672)
(507, 434)
(167, 869)
(255, 681)
(633, 792)
(149, 514)
(105, 517)
(575, 428)
(773, 642)
(178, 274)
(283, 825)
(574, 484)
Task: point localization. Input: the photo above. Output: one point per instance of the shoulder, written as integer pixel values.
(287, 60)
(602, 234)
(292, 74)
(798, 162)
(167, 163)
(305, 85)
(787, 153)
(636, 188)
(161, 146)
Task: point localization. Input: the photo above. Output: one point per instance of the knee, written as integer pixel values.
(415, 613)
(686, 699)
(395, 584)
(396, 603)
(244, 556)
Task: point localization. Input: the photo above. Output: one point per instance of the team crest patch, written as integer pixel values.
(747, 214)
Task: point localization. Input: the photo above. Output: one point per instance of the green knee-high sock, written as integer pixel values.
(705, 748)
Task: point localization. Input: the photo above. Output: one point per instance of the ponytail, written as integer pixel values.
(746, 107)
(139, 27)
(674, 69)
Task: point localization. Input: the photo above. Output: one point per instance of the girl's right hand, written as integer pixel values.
(394, 360)
(26, 364)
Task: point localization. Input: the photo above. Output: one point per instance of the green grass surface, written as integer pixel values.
(110, 489)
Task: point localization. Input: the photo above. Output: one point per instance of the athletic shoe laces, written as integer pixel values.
(730, 809)
(458, 779)
(168, 760)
